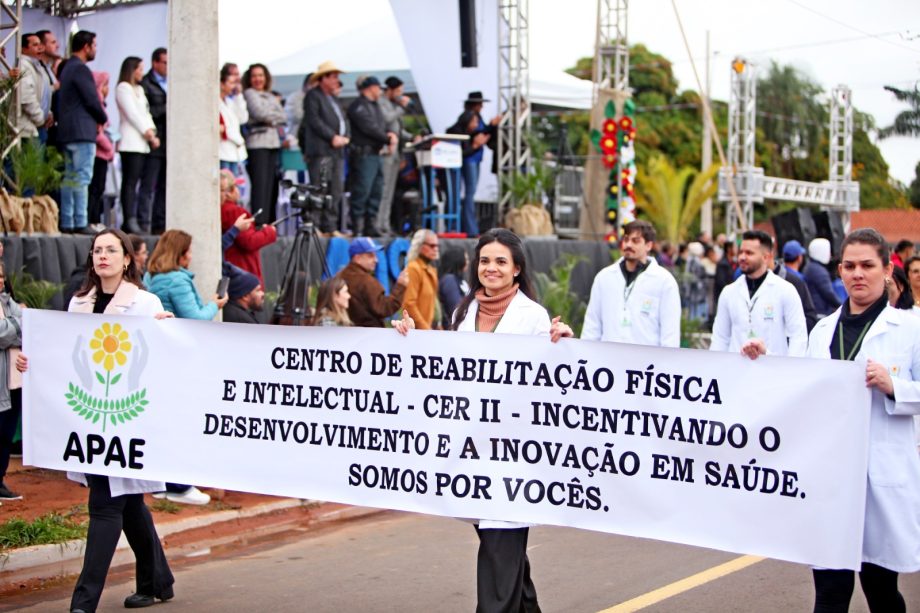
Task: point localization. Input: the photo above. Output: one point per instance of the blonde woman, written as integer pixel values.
(332, 304)
(116, 505)
(421, 297)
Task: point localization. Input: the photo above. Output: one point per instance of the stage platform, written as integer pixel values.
(54, 258)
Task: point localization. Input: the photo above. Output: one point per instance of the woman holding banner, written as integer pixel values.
(501, 300)
(113, 287)
(868, 330)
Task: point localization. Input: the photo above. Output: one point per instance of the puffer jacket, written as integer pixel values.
(176, 290)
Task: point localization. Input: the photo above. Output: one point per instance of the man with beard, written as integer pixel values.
(246, 298)
(370, 305)
(759, 308)
(634, 300)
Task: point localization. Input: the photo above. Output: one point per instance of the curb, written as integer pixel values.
(42, 555)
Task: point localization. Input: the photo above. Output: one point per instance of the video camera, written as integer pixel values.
(308, 198)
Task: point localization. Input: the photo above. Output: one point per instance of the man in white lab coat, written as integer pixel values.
(634, 300)
(759, 306)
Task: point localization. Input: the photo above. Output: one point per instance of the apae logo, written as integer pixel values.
(111, 350)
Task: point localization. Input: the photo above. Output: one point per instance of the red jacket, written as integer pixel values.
(244, 252)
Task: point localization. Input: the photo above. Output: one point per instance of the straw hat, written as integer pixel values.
(323, 69)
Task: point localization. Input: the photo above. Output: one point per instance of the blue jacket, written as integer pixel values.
(79, 110)
(176, 290)
(820, 287)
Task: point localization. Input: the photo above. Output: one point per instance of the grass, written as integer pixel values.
(165, 506)
(50, 528)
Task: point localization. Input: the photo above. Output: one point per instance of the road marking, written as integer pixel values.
(686, 584)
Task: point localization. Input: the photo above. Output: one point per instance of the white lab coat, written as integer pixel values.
(128, 300)
(774, 314)
(647, 314)
(523, 316)
(891, 538)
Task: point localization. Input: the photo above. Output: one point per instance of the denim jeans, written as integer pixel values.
(79, 159)
(233, 167)
(468, 221)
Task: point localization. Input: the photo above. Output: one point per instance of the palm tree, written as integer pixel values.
(663, 195)
(907, 123)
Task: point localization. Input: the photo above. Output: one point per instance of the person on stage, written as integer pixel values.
(113, 287)
(867, 329)
(501, 300)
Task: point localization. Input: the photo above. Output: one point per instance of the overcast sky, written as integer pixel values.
(862, 44)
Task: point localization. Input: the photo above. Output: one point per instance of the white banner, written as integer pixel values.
(708, 449)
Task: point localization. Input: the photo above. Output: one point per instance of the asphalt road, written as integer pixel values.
(395, 562)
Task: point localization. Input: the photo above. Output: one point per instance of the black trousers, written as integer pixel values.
(151, 207)
(108, 516)
(262, 167)
(503, 583)
(8, 421)
(331, 170)
(132, 166)
(834, 588)
(95, 205)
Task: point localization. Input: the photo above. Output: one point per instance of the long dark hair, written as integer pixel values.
(510, 240)
(906, 297)
(247, 77)
(132, 275)
(126, 74)
(452, 262)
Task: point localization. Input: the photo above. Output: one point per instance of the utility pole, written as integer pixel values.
(706, 214)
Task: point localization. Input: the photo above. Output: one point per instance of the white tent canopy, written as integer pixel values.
(377, 48)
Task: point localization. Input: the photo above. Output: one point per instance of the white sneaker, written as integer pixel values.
(190, 496)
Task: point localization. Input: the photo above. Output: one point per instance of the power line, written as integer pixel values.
(848, 26)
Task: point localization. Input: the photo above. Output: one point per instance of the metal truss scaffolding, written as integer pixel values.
(69, 8)
(839, 193)
(10, 29)
(611, 56)
(513, 150)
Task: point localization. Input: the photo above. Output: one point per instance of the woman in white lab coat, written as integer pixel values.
(867, 329)
(501, 300)
(113, 287)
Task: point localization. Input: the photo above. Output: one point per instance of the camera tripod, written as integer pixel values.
(293, 308)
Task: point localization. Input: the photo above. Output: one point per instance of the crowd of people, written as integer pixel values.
(704, 268)
(354, 152)
(755, 304)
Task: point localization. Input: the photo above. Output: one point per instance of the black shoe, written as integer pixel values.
(77, 611)
(131, 226)
(6, 494)
(85, 231)
(139, 601)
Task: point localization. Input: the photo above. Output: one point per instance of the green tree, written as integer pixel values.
(791, 128)
(914, 189)
(907, 123)
(792, 118)
(671, 198)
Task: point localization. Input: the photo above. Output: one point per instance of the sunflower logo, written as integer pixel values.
(111, 347)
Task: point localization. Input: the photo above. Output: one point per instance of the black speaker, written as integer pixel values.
(469, 58)
(796, 224)
(829, 225)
